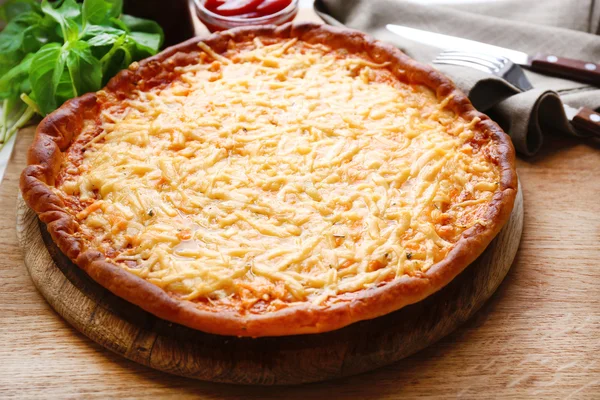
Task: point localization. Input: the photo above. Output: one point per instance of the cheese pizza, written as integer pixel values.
(272, 181)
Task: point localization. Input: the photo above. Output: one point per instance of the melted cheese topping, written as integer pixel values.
(274, 174)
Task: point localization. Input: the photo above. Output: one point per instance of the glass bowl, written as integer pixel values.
(215, 22)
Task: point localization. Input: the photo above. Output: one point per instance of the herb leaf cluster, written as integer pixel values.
(54, 51)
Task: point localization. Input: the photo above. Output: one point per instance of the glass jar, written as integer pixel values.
(215, 22)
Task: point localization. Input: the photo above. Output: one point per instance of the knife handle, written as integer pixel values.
(587, 121)
(581, 71)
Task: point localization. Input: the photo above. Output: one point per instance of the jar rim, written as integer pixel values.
(250, 21)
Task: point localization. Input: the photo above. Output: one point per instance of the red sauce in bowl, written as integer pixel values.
(246, 8)
(224, 14)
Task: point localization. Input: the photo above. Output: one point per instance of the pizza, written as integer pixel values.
(271, 181)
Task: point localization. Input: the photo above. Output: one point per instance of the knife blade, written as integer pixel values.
(548, 64)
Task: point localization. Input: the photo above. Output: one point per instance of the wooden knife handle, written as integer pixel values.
(588, 121)
(581, 71)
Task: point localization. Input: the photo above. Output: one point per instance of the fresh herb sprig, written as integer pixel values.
(53, 51)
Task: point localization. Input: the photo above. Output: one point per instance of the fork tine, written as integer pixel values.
(492, 63)
(463, 64)
(496, 65)
(473, 59)
(482, 55)
(500, 61)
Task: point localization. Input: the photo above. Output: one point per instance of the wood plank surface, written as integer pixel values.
(538, 337)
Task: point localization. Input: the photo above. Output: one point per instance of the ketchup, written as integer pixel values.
(246, 8)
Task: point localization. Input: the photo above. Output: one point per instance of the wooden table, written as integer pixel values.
(539, 335)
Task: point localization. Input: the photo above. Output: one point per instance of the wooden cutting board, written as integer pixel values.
(133, 333)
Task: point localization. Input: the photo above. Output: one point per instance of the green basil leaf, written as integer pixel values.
(68, 9)
(140, 24)
(94, 11)
(12, 81)
(49, 24)
(95, 30)
(117, 8)
(103, 39)
(135, 24)
(25, 86)
(112, 60)
(116, 59)
(45, 72)
(84, 68)
(11, 39)
(13, 35)
(150, 42)
(72, 30)
(66, 15)
(99, 11)
(119, 24)
(64, 88)
(119, 60)
(13, 8)
(36, 36)
(58, 50)
(9, 61)
(24, 34)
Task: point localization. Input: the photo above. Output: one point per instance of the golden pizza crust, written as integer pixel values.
(58, 131)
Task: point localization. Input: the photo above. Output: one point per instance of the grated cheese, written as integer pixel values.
(288, 168)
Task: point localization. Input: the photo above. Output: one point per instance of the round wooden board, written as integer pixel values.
(128, 330)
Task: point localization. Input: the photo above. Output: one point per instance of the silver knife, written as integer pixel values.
(548, 64)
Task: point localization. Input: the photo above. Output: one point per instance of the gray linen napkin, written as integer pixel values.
(562, 27)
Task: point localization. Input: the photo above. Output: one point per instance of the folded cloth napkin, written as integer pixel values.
(563, 27)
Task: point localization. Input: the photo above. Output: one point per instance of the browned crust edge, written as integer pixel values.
(58, 130)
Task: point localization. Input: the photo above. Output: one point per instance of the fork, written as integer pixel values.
(583, 119)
